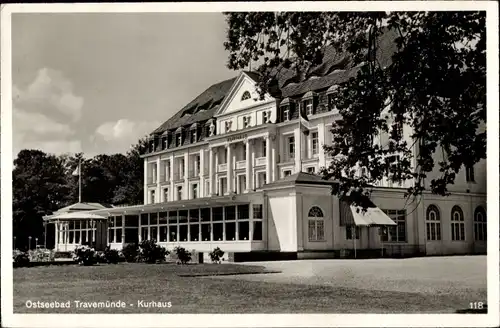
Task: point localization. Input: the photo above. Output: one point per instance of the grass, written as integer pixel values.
(190, 294)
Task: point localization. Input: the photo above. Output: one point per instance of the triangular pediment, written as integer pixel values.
(243, 94)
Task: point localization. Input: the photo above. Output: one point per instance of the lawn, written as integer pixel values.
(189, 293)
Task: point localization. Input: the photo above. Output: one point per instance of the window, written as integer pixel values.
(457, 224)
(309, 107)
(197, 161)
(178, 139)
(193, 136)
(331, 102)
(257, 211)
(395, 233)
(246, 121)
(264, 148)
(287, 173)
(179, 193)
(311, 170)
(286, 115)
(228, 125)
(195, 190)
(480, 224)
(314, 137)
(469, 173)
(291, 146)
(350, 230)
(152, 197)
(165, 195)
(433, 223)
(245, 96)
(316, 224)
(266, 116)
(257, 221)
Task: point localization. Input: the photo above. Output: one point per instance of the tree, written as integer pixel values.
(434, 83)
(39, 188)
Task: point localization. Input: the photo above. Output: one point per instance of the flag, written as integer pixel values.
(77, 170)
(304, 121)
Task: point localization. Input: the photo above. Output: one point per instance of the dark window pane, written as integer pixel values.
(194, 215)
(230, 231)
(218, 228)
(132, 235)
(217, 214)
(163, 233)
(244, 230)
(172, 229)
(144, 233)
(111, 235)
(163, 218)
(183, 232)
(194, 232)
(144, 219)
(77, 237)
(77, 225)
(172, 217)
(131, 221)
(257, 211)
(205, 232)
(154, 233)
(153, 218)
(111, 222)
(84, 236)
(183, 216)
(71, 236)
(243, 212)
(118, 222)
(205, 214)
(230, 213)
(257, 230)
(118, 233)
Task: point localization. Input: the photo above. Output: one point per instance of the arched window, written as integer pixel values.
(457, 223)
(433, 223)
(480, 224)
(245, 96)
(316, 223)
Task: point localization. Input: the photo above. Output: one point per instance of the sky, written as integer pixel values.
(97, 82)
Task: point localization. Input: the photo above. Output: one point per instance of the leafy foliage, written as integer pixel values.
(151, 252)
(130, 252)
(20, 259)
(216, 255)
(84, 255)
(111, 255)
(429, 98)
(183, 255)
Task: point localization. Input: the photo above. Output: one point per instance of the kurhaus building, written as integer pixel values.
(234, 171)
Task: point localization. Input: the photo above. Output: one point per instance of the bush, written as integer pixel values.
(183, 255)
(111, 255)
(99, 257)
(20, 259)
(151, 252)
(130, 252)
(216, 255)
(41, 255)
(84, 255)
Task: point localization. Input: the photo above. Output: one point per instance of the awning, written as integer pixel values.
(354, 215)
(75, 216)
(373, 216)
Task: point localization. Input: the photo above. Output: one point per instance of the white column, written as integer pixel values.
(274, 168)
(158, 175)
(171, 192)
(211, 172)
(268, 159)
(309, 145)
(252, 170)
(186, 175)
(229, 166)
(298, 149)
(248, 165)
(145, 180)
(321, 142)
(201, 187)
(216, 176)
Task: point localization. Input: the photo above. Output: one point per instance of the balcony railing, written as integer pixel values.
(241, 164)
(260, 161)
(222, 167)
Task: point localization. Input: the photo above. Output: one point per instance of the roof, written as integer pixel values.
(335, 69)
(80, 207)
(298, 178)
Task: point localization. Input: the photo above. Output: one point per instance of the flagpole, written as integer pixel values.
(300, 142)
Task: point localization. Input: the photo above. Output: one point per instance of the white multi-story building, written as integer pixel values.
(234, 171)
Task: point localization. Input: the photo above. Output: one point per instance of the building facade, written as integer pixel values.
(235, 171)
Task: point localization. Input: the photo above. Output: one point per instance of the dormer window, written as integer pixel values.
(209, 128)
(286, 114)
(331, 96)
(308, 101)
(228, 126)
(309, 107)
(193, 133)
(246, 95)
(285, 107)
(266, 117)
(246, 121)
(178, 137)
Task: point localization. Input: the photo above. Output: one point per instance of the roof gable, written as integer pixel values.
(242, 94)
